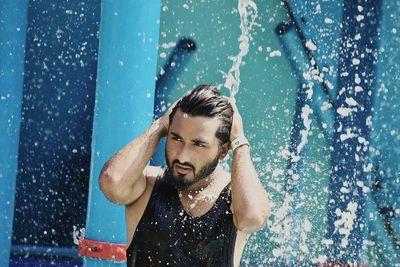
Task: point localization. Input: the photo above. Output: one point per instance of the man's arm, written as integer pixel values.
(123, 177)
(249, 199)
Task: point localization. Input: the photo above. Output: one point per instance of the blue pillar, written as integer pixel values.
(310, 65)
(296, 166)
(13, 19)
(357, 75)
(124, 103)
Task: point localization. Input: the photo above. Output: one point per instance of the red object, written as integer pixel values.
(102, 250)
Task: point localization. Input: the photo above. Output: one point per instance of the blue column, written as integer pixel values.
(311, 65)
(13, 19)
(124, 103)
(357, 67)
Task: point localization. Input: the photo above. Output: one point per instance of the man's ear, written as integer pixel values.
(224, 150)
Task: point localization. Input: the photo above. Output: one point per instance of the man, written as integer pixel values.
(191, 212)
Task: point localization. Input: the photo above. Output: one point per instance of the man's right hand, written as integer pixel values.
(123, 176)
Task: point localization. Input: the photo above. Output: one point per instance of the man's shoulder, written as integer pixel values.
(152, 172)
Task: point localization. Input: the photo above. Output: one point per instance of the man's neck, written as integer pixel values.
(205, 184)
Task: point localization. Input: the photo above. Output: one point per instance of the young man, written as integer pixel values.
(191, 212)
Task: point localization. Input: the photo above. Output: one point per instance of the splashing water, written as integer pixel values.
(78, 234)
(248, 13)
(286, 221)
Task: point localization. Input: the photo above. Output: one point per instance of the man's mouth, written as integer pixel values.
(182, 169)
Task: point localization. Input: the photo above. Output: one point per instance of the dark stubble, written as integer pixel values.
(180, 182)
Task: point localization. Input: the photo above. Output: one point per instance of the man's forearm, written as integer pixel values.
(123, 170)
(249, 198)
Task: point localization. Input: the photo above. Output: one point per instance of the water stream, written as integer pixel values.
(248, 14)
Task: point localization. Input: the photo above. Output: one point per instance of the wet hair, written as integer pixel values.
(205, 100)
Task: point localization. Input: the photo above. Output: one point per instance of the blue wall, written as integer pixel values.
(56, 122)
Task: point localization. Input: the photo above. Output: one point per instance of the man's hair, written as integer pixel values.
(205, 100)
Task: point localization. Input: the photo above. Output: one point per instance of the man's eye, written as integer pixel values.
(176, 138)
(199, 144)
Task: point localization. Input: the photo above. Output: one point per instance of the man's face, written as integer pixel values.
(192, 150)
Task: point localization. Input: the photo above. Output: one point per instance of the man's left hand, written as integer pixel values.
(237, 122)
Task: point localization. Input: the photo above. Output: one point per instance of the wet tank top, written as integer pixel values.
(168, 236)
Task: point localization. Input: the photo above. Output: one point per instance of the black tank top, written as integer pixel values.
(168, 236)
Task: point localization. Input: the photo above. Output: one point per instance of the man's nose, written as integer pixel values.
(184, 155)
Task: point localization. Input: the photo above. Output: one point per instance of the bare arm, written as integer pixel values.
(249, 198)
(123, 177)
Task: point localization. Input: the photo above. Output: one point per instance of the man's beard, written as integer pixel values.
(180, 182)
